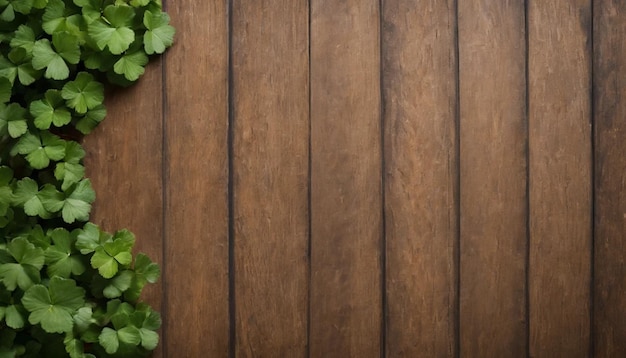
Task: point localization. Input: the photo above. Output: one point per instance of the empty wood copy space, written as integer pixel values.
(378, 178)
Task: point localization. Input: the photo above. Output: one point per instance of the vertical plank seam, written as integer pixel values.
(457, 198)
(383, 211)
(528, 173)
(309, 196)
(592, 243)
(232, 336)
(164, 202)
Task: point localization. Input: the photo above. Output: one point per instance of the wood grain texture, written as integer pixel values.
(123, 161)
(493, 179)
(560, 178)
(421, 172)
(610, 178)
(196, 212)
(346, 189)
(270, 169)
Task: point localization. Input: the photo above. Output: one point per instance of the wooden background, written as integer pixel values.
(365, 178)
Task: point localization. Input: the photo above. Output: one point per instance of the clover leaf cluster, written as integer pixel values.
(67, 288)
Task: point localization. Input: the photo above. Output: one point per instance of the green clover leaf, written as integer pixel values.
(160, 34)
(70, 171)
(145, 271)
(24, 272)
(60, 257)
(131, 65)
(110, 255)
(24, 38)
(66, 50)
(27, 194)
(40, 149)
(58, 18)
(13, 120)
(52, 307)
(18, 65)
(91, 119)
(114, 29)
(50, 110)
(84, 93)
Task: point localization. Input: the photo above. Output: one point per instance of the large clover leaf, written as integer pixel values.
(110, 255)
(70, 171)
(50, 110)
(13, 120)
(24, 271)
(54, 60)
(40, 149)
(52, 307)
(61, 257)
(84, 93)
(114, 29)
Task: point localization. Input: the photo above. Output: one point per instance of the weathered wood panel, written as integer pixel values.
(493, 179)
(610, 170)
(196, 175)
(270, 176)
(346, 189)
(421, 177)
(560, 178)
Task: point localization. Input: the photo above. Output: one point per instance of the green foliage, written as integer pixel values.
(67, 288)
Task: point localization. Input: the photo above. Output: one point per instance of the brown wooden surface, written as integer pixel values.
(420, 95)
(610, 168)
(560, 180)
(402, 203)
(270, 173)
(196, 173)
(346, 190)
(493, 179)
(124, 163)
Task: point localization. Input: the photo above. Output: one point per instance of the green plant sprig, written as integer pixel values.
(67, 288)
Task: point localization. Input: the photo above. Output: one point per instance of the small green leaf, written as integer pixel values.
(91, 119)
(13, 120)
(39, 150)
(13, 317)
(114, 31)
(131, 65)
(108, 340)
(53, 306)
(84, 93)
(160, 34)
(66, 50)
(50, 111)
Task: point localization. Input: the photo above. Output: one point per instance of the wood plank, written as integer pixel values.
(346, 186)
(610, 168)
(421, 171)
(270, 169)
(493, 179)
(196, 270)
(123, 161)
(560, 178)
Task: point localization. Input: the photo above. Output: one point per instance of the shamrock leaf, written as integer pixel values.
(160, 34)
(91, 237)
(70, 171)
(66, 50)
(12, 120)
(13, 6)
(60, 256)
(131, 65)
(110, 255)
(91, 9)
(58, 18)
(50, 110)
(83, 93)
(145, 271)
(39, 150)
(24, 38)
(77, 205)
(113, 30)
(147, 321)
(24, 271)
(19, 65)
(27, 194)
(53, 306)
(91, 119)
(116, 286)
